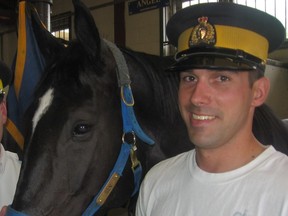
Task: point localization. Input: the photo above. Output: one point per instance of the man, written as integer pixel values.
(9, 162)
(222, 50)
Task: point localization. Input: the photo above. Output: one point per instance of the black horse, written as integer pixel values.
(76, 123)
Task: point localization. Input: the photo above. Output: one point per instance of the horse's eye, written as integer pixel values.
(81, 129)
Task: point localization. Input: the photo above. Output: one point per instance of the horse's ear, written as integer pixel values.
(86, 30)
(47, 43)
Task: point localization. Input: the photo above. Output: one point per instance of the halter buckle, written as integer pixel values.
(126, 95)
(133, 156)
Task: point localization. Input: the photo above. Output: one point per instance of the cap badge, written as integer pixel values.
(203, 33)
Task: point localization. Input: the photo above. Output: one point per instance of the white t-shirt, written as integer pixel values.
(178, 187)
(9, 173)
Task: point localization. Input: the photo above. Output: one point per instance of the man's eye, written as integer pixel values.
(224, 78)
(189, 78)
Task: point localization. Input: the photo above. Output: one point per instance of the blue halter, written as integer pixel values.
(128, 148)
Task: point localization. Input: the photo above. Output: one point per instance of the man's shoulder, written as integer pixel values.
(9, 161)
(12, 156)
(171, 165)
(278, 157)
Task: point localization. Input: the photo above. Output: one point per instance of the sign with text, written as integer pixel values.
(138, 6)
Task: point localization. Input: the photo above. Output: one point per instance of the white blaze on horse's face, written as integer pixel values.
(44, 103)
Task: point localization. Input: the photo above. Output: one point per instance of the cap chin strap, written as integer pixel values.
(216, 58)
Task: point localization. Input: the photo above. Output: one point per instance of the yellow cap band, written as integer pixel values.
(233, 38)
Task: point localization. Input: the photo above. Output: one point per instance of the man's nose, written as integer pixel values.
(201, 94)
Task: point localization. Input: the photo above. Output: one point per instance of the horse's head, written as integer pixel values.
(74, 136)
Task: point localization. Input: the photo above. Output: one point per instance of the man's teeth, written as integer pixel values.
(203, 117)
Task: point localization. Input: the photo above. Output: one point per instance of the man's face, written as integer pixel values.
(217, 106)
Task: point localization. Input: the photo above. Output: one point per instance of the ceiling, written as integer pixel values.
(8, 12)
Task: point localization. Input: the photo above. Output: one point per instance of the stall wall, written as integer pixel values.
(143, 31)
(278, 97)
(8, 45)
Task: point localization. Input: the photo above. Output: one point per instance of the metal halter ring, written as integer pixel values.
(129, 138)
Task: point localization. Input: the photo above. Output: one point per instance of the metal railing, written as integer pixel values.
(276, 8)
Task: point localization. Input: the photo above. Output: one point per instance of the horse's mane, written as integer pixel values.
(65, 65)
(164, 84)
(269, 129)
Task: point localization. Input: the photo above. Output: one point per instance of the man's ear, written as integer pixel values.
(261, 89)
(3, 111)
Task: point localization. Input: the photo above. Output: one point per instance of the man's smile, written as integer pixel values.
(202, 117)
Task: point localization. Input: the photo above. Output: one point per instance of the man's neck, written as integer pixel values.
(227, 158)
